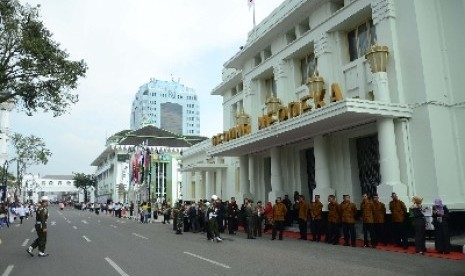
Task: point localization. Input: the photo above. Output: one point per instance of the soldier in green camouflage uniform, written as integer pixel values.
(180, 219)
(41, 229)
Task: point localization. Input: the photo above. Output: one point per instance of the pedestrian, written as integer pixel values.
(233, 211)
(316, 211)
(348, 212)
(368, 219)
(279, 215)
(379, 214)
(258, 218)
(334, 220)
(268, 217)
(418, 224)
(213, 231)
(248, 212)
(302, 208)
(21, 212)
(441, 227)
(398, 219)
(41, 229)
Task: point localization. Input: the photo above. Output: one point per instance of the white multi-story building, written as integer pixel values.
(56, 187)
(123, 175)
(305, 110)
(168, 105)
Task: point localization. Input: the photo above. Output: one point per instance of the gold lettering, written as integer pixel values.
(336, 93)
(304, 103)
(319, 98)
(283, 114)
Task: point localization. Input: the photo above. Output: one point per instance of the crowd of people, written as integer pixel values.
(214, 217)
(12, 211)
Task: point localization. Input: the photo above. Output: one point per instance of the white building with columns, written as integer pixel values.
(304, 108)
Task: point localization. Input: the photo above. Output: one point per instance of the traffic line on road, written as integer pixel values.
(32, 230)
(53, 223)
(114, 226)
(74, 226)
(208, 260)
(84, 221)
(25, 242)
(0, 241)
(86, 238)
(18, 225)
(140, 236)
(116, 267)
(8, 270)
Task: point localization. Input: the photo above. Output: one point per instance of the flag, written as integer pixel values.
(251, 3)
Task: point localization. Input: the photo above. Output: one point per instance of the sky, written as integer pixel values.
(125, 43)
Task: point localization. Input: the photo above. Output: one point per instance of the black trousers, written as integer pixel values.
(41, 239)
(368, 228)
(232, 225)
(316, 226)
(303, 229)
(399, 232)
(349, 232)
(380, 234)
(333, 233)
(278, 226)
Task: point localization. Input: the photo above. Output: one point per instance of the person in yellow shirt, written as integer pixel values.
(279, 214)
(302, 211)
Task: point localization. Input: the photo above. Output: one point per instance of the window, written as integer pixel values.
(68, 183)
(270, 86)
(307, 67)
(50, 183)
(290, 36)
(43, 183)
(59, 183)
(360, 39)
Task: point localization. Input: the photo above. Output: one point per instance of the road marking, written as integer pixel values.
(0, 241)
(114, 226)
(86, 238)
(140, 236)
(84, 221)
(25, 242)
(18, 225)
(74, 226)
(69, 222)
(53, 223)
(116, 267)
(32, 230)
(8, 270)
(208, 260)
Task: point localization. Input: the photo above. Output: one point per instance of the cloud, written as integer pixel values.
(125, 43)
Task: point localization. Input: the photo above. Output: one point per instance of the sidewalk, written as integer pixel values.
(293, 233)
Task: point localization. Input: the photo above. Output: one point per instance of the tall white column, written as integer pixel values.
(244, 176)
(276, 178)
(322, 173)
(389, 162)
(381, 87)
(208, 186)
(199, 177)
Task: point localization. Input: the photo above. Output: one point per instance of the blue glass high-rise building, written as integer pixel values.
(168, 105)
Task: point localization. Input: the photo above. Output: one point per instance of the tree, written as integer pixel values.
(29, 150)
(34, 71)
(84, 181)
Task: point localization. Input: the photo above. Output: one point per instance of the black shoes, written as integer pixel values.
(43, 254)
(29, 251)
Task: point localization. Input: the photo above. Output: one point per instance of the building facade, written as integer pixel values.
(167, 105)
(56, 187)
(141, 165)
(341, 97)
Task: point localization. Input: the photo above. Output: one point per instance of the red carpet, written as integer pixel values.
(410, 250)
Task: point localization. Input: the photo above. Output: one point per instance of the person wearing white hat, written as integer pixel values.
(41, 229)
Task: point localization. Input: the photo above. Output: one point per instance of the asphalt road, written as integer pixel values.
(82, 243)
